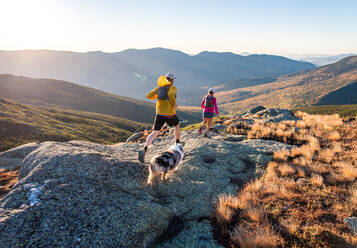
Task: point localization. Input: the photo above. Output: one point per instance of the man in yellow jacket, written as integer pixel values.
(165, 96)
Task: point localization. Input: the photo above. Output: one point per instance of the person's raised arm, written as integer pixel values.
(152, 95)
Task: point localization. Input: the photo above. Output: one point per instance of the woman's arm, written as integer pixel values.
(215, 105)
(203, 102)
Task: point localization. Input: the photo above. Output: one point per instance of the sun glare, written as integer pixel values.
(30, 24)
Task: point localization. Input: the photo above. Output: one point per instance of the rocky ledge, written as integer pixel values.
(80, 194)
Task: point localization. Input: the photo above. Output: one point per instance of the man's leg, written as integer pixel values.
(177, 133)
(151, 138)
(149, 141)
(174, 122)
(157, 126)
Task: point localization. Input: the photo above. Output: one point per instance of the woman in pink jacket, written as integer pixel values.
(209, 106)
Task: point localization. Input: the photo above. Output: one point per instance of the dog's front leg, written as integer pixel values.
(150, 178)
(163, 176)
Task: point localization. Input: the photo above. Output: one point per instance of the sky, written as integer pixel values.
(282, 27)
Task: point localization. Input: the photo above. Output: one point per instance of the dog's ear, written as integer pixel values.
(154, 160)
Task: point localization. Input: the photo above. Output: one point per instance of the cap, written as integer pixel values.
(211, 91)
(170, 76)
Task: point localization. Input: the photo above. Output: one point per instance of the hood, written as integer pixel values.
(162, 81)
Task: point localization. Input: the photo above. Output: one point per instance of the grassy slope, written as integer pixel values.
(300, 89)
(21, 124)
(243, 83)
(49, 92)
(343, 95)
(305, 194)
(342, 110)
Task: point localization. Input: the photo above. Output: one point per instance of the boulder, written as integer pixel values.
(80, 194)
(276, 115)
(135, 137)
(267, 115)
(12, 158)
(352, 224)
(251, 111)
(256, 109)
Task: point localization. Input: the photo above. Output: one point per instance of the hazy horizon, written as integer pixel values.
(246, 53)
(276, 27)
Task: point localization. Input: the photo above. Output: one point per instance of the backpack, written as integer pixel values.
(163, 92)
(209, 102)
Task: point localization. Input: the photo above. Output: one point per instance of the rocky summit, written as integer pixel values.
(80, 194)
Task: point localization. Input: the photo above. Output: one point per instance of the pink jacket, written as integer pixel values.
(211, 109)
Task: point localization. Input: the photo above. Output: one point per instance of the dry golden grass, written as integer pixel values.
(262, 236)
(270, 188)
(295, 152)
(223, 214)
(353, 197)
(301, 124)
(282, 126)
(317, 180)
(336, 147)
(281, 155)
(228, 200)
(300, 161)
(287, 188)
(326, 155)
(279, 133)
(271, 169)
(257, 215)
(225, 208)
(339, 164)
(313, 143)
(300, 172)
(307, 152)
(334, 136)
(349, 172)
(7, 180)
(286, 170)
(325, 163)
(290, 225)
(247, 198)
(254, 186)
(338, 206)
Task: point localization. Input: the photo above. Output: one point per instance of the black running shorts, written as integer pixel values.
(160, 120)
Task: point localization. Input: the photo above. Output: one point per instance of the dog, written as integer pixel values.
(165, 162)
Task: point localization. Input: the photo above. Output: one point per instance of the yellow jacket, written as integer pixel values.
(164, 107)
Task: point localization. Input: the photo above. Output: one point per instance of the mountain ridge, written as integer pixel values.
(294, 90)
(133, 72)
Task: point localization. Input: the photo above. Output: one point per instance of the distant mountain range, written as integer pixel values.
(134, 72)
(328, 85)
(66, 95)
(321, 60)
